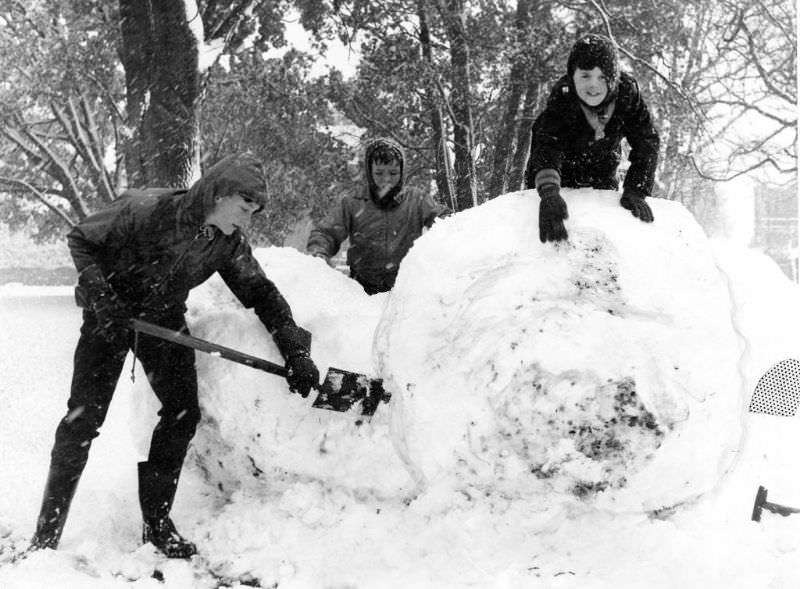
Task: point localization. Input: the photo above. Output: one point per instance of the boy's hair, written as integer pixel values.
(591, 51)
(383, 152)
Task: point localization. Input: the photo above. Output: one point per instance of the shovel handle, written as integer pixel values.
(206, 346)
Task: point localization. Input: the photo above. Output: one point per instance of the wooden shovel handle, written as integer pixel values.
(206, 346)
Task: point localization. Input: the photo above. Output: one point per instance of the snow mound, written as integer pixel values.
(254, 432)
(580, 368)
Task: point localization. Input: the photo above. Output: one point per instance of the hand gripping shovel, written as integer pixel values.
(340, 390)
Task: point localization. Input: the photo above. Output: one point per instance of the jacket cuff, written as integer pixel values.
(292, 341)
(632, 193)
(549, 190)
(547, 176)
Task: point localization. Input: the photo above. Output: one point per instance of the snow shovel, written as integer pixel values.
(761, 503)
(340, 390)
(778, 391)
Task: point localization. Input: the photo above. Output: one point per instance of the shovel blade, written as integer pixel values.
(342, 390)
(758, 504)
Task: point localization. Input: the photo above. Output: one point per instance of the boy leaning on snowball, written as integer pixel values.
(382, 220)
(575, 141)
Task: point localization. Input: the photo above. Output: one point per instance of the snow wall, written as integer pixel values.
(604, 367)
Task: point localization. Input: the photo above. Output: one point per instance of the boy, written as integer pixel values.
(382, 220)
(575, 141)
(139, 257)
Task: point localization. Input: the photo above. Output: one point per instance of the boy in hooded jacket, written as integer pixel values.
(575, 141)
(382, 220)
(139, 257)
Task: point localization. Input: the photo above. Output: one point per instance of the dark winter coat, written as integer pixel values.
(152, 246)
(380, 233)
(563, 140)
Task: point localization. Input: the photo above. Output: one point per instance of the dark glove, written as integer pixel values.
(552, 212)
(112, 316)
(97, 295)
(324, 256)
(302, 374)
(634, 202)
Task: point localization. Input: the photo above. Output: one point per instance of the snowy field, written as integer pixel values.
(563, 416)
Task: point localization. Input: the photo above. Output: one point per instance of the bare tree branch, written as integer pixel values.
(763, 162)
(38, 194)
(41, 154)
(677, 89)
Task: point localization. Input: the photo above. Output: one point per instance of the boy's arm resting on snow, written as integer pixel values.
(548, 136)
(327, 236)
(544, 169)
(642, 135)
(546, 149)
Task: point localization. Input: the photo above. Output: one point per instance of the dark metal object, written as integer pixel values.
(761, 503)
(340, 391)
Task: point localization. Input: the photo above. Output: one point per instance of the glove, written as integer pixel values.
(293, 343)
(552, 212)
(322, 256)
(111, 314)
(97, 295)
(634, 202)
(302, 374)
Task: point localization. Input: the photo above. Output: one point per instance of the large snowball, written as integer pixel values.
(605, 366)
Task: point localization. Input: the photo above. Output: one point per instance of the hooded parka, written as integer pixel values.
(381, 231)
(152, 247)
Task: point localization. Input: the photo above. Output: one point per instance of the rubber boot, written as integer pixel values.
(156, 494)
(58, 493)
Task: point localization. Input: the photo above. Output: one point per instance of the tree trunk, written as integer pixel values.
(504, 142)
(439, 132)
(516, 173)
(159, 52)
(465, 177)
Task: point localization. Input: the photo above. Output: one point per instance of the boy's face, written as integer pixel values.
(591, 85)
(232, 212)
(385, 176)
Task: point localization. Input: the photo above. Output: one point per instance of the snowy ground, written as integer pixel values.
(503, 460)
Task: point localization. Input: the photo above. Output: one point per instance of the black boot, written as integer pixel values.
(156, 493)
(58, 493)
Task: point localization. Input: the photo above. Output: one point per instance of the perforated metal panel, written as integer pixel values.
(778, 391)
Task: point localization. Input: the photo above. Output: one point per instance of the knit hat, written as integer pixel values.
(591, 51)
